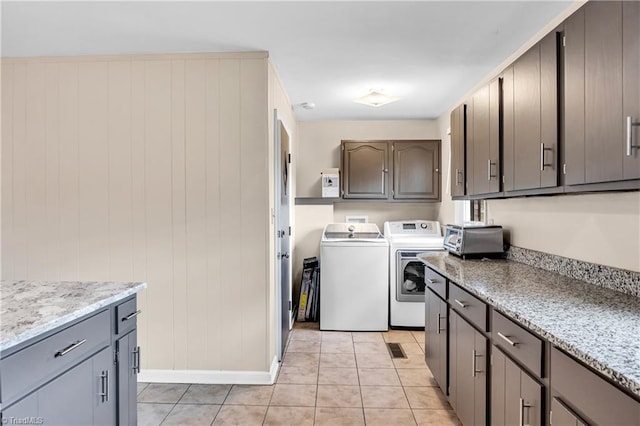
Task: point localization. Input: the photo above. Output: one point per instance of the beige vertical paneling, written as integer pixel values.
(216, 246)
(196, 214)
(69, 243)
(120, 171)
(20, 223)
(138, 197)
(159, 212)
(51, 235)
(231, 216)
(36, 176)
(6, 146)
(180, 313)
(93, 171)
(255, 206)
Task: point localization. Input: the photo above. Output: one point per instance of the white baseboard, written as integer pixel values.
(212, 376)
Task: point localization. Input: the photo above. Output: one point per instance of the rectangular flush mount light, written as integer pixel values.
(376, 98)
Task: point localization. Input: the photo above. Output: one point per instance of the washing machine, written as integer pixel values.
(406, 288)
(354, 278)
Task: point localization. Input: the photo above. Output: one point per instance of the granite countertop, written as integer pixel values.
(30, 308)
(599, 326)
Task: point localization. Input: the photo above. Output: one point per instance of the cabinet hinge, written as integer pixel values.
(115, 357)
(289, 158)
(564, 41)
(289, 231)
(564, 169)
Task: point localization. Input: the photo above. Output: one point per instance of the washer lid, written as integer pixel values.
(352, 232)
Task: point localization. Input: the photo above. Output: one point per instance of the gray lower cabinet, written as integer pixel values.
(516, 397)
(128, 368)
(436, 333)
(561, 415)
(75, 376)
(467, 371)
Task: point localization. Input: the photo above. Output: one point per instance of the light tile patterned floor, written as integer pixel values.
(326, 378)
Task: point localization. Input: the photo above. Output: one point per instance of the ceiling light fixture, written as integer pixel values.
(376, 98)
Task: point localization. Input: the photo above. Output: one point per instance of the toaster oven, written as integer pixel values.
(474, 240)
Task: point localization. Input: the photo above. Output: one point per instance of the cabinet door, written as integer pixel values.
(508, 137)
(73, 389)
(416, 170)
(531, 397)
(104, 388)
(561, 415)
(458, 137)
(366, 170)
(549, 110)
(128, 361)
(480, 142)
(436, 338)
(27, 407)
(631, 85)
(603, 91)
(574, 107)
(467, 371)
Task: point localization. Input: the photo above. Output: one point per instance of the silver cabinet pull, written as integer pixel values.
(542, 151)
(462, 304)
(438, 323)
(508, 340)
(629, 144)
(104, 386)
(521, 408)
(132, 315)
(474, 356)
(431, 281)
(136, 360)
(69, 348)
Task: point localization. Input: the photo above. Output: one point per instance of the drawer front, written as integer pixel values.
(31, 367)
(468, 306)
(589, 395)
(436, 282)
(126, 314)
(521, 344)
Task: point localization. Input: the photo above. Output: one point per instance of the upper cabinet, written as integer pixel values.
(530, 118)
(602, 93)
(458, 138)
(483, 140)
(391, 170)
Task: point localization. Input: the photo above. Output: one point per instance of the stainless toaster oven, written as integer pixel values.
(474, 240)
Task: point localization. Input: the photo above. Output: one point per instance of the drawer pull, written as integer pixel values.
(506, 339)
(70, 348)
(462, 304)
(432, 281)
(132, 315)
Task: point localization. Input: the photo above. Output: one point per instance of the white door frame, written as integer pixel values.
(278, 293)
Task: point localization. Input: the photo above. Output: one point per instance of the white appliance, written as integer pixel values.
(330, 183)
(406, 273)
(354, 271)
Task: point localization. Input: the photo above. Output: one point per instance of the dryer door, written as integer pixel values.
(409, 277)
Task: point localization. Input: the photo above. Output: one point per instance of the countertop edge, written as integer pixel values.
(62, 320)
(594, 363)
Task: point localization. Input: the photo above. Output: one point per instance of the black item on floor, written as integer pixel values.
(309, 291)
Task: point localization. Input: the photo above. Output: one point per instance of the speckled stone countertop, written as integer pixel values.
(599, 326)
(30, 308)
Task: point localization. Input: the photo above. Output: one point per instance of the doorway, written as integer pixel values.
(283, 234)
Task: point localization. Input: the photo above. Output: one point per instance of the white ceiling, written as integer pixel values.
(429, 53)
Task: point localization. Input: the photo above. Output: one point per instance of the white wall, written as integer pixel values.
(149, 168)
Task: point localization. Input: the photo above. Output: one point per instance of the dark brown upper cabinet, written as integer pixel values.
(391, 170)
(530, 118)
(602, 93)
(483, 140)
(458, 138)
(365, 169)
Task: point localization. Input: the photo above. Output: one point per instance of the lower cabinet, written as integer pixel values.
(436, 338)
(516, 398)
(128, 368)
(467, 371)
(561, 415)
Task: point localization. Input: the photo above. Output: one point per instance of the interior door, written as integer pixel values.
(283, 231)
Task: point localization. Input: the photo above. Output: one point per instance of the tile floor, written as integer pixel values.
(326, 378)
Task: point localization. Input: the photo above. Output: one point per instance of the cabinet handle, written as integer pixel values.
(132, 315)
(458, 176)
(474, 356)
(521, 407)
(432, 281)
(509, 341)
(104, 386)
(629, 144)
(462, 304)
(71, 347)
(542, 151)
(489, 164)
(439, 317)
